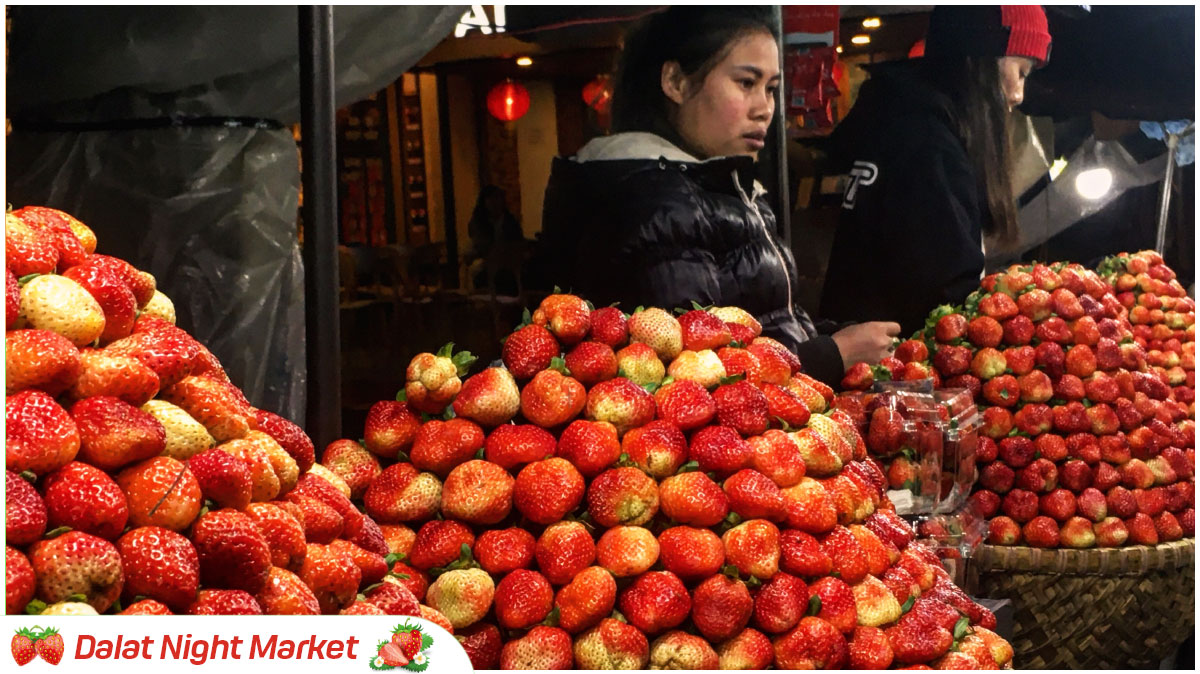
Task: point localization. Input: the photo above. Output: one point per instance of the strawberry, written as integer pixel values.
(563, 550)
(85, 499)
(859, 377)
(719, 449)
(612, 644)
(784, 407)
(753, 547)
(393, 598)
(869, 649)
(19, 580)
(781, 603)
(392, 655)
(391, 428)
(655, 602)
(331, 574)
(465, 595)
(721, 607)
(627, 551)
(289, 436)
(916, 640)
(702, 367)
(523, 599)
(61, 305)
(742, 407)
(587, 599)
(552, 399)
(890, 528)
(658, 448)
(950, 327)
(170, 354)
(879, 555)
(838, 436)
(952, 360)
(912, 351)
(753, 495)
(50, 646)
(40, 359)
(739, 361)
(25, 511)
(702, 330)
(813, 644)
(74, 240)
(185, 437)
(622, 496)
(409, 642)
(802, 555)
(819, 455)
(738, 316)
(224, 602)
(640, 364)
(113, 296)
(264, 481)
(609, 327)
(810, 507)
(693, 498)
(372, 566)
(353, 463)
(283, 533)
(442, 445)
(478, 492)
(1003, 391)
(417, 582)
(659, 330)
(901, 583)
(102, 373)
(500, 551)
(39, 435)
(113, 433)
(77, 563)
(490, 398)
(1041, 532)
(216, 404)
(776, 363)
(749, 649)
(776, 455)
(621, 403)
(511, 446)
(592, 362)
(590, 446)
(545, 491)
(529, 351)
(22, 646)
(432, 380)
(28, 249)
(686, 404)
(849, 558)
(438, 543)
(146, 607)
(12, 299)
(286, 594)
(567, 317)
(874, 602)
(233, 552)
(541, 648)
(161, 565)
(160, 306)
(691, 553)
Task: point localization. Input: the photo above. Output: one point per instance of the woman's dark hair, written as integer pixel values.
(695, 37)
(981, 119)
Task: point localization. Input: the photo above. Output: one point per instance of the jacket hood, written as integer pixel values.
(644, 146)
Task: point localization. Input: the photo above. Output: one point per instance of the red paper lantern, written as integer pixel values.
(598, 93)
(508, 101)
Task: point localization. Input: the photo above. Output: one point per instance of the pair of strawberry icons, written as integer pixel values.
(30, 643)
(405, 650)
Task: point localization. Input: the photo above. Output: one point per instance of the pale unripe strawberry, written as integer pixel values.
(331, 477)
(464, 596)
(739, 316)
(702, 367)
(640, 364)
(58, 304)
(658, 329)
(160, 306)
(186, 437)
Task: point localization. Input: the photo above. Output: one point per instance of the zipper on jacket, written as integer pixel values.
(771, 240)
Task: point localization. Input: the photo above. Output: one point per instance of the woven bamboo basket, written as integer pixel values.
(1111, 608)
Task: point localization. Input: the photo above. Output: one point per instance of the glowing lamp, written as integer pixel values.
(508, 101)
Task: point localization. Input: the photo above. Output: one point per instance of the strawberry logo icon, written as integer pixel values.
(22, 646)
(28, 644)
(407, 649)
(50, 646)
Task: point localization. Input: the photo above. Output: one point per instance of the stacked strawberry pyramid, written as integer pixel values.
(139, 479)
(646, 490)
(1084, 442)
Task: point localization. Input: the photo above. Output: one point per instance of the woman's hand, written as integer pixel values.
(866, 342)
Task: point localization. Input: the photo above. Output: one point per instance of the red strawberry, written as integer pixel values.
(849, 558)
(592, 362)
(478, 492)
(776, 455)
(686, 404)
(392, 655)
(775, 361)
(541, 648)
(39, 435)
(622, 496)
(19, 580)
(283, 533)
(442, 445)
(691, 553)
(567, 317)
(586, 599)
(114, 433)
(510, 446)
(784, 407)
(50, 646)
(523, 599)
(753, 547)
(161, 492)
(22, 646)
(702, 330)
(39, 359)
(86, 499)
(813, 644)
(529, 351)
(170, 353)
(552, 399)
(590, 446)
(721, 607)
(216, 404)
(224, 602)
(332, 575)
(612, 643)
(353, 463)
(78, 563)
(719, 449)
(114, 296)
(12, 299)
(563, 550)
(393, 598)
(371, 565)
(781, 603)
(609, 327)
(500, 551)
(742, 407)
(489, 398)
(621, 403)
(233, 552)
(655, 602)
(693, 498)
(753, 495)
(27, 249)
(391, 428)
(438, 543)
(161, 565)
(289, 436)
(545, 491)
(802, 555)
(24, 511)
(627, 551)
(810, 507)
(103, 373)
(917, 640)
(658, 448)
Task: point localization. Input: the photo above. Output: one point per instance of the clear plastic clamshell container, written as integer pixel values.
(960, 438)
(905, 433)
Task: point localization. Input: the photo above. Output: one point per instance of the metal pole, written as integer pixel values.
(321, 277)
(1164, 200)
(783, 201)
(448, 211)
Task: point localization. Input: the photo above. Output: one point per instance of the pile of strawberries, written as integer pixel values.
(139, 479)
(1084, 441)
(647, 490)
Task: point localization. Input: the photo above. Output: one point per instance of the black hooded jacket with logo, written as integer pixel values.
(633, 219)
(909, 236)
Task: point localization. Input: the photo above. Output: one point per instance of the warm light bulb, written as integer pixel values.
(1094, 183)
(524, 61)
(838, 49)
(861, 39)
(872, 22)
(508, 101)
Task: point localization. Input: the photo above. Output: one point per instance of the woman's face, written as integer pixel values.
(1013, 71)
(730, 112)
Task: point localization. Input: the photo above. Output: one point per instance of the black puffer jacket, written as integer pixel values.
(634, 219)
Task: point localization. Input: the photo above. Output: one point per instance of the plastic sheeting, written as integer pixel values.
(211, 212)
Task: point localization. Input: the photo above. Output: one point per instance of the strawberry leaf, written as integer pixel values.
(463, 361)
(551, 619)
(449, 413)
(908, 604)
(962, 628)
(402, 396)
(725, 381)
(27, 278)
(679, 311)
(617, 615)
(590, 306)
(737, 345)
(688, 467)
(446, 350)
(29, 476)
(557, 363)
(731, 571)
(814, 605)
(480, 454)
(393, 557)
(754, 583)
(55, 533)
(402, 456)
